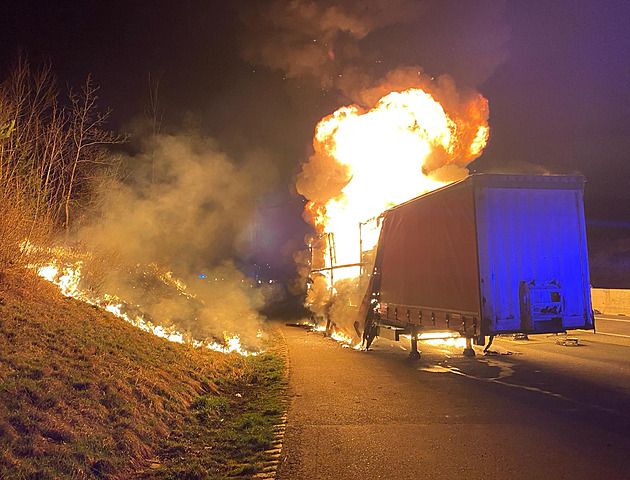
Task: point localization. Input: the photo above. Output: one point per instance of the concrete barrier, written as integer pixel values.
(611, 301)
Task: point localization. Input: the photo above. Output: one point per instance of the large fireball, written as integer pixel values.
(366, 161)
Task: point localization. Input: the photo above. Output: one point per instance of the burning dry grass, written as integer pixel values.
(84, 395)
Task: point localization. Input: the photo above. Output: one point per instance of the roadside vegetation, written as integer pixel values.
(85, 395)
(53, 156)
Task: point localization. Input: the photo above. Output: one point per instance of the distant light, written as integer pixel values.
(201, 275)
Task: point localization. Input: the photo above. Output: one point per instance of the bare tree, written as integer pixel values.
(87, 138)
(28, 99)
(51, 156)
(155, 113)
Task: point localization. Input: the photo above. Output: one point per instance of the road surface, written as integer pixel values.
(537, 410)
(614, 325)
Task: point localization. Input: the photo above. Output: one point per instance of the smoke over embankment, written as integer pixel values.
(402, 133)
(170, 231)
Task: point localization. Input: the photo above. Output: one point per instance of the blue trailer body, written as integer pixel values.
(488, 255)
(533, 260)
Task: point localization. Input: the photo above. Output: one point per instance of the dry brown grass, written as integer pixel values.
(85, 395)
(17, 225)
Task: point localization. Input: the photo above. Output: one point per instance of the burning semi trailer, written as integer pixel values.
(473, 257)
(366, 160)
(491, 254)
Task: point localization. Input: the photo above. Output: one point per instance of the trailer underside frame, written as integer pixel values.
(413, 331)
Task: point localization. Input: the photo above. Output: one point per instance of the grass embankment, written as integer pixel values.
(85, 395)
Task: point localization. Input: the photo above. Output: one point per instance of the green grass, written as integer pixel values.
(85, 395)
(232, 431)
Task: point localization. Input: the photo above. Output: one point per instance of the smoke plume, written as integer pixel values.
(181, 216)
(318, 39)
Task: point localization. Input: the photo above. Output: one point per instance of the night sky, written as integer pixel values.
(556, 74)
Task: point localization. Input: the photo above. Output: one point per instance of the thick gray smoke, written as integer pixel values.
(184, 209)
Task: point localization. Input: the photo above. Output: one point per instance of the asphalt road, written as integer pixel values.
(614, 325)
(536, 410)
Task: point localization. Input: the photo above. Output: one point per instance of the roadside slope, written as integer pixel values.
(85, 395)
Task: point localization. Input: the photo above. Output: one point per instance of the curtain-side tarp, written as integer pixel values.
(427, 255)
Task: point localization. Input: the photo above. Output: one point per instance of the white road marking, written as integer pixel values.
(457, 371)
(605, 319)
(611, 334)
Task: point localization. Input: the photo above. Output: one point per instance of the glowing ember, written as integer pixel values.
(337, 335)
(68, 278)
(345, 339)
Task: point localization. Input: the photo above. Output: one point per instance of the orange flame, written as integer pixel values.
(66, 275)
(366, 161)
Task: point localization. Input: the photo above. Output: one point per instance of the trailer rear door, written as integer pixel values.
(532, 253)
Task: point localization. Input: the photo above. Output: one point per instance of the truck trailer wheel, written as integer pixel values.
(469, 351)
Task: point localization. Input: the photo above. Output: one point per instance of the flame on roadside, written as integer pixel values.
(345, 340)
(167, 278)
(337, 335)
(437, 339)
(67, 277)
